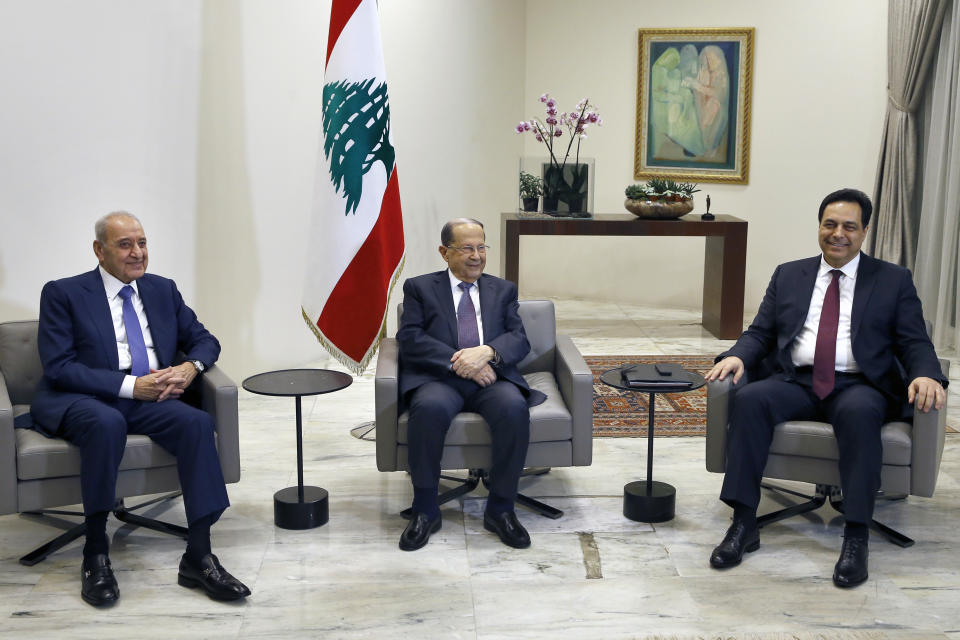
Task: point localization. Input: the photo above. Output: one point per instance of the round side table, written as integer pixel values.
(648, 500)
(299, 507)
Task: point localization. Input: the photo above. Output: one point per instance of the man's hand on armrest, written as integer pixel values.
(925, 394)
(730, 364)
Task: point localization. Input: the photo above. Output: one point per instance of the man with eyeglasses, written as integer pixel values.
(460, 340)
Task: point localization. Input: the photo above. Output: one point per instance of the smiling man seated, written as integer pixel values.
(460, 340)
(108, 342)
(834, 328)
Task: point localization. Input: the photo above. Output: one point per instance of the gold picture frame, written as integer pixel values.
(693, 104)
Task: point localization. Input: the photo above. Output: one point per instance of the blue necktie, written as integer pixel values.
(139, 363)
(467, 330)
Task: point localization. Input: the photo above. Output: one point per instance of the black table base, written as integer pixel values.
(290, 512)
(656, 505)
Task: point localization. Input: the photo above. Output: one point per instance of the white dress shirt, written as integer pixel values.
(474, 295)
(112, 287)
(805, 345)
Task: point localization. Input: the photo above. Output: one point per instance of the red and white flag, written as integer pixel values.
(356, 245)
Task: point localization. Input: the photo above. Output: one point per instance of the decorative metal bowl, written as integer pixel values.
(659, 208)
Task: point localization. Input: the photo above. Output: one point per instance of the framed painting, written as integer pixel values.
(693, 104)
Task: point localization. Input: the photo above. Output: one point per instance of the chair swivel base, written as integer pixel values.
(289, 512)
(120, 511)
(473, 480)
(654, 504)
(822, 494)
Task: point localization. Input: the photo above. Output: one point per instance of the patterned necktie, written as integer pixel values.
(825, 355)
(139, 363)
(467, 331)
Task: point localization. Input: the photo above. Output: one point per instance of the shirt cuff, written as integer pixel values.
(126, 389)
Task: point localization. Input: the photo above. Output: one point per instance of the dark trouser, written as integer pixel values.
(432, 409)
(99, 428)
(855, 409)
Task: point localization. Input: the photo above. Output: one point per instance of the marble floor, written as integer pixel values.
(591, 574)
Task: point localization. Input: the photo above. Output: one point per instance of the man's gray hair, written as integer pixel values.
(100, 227)
(446, 234)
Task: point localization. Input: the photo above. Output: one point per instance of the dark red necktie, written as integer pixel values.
(825, 355)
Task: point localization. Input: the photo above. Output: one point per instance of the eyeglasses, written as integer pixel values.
(467, 249)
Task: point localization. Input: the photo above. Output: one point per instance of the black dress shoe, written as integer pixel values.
(851, 568)
(508, 527)
(98, 585)
(418, 531)
(212, 578)
(739, 540)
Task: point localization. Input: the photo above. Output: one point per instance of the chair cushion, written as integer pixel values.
(41, 457)
(549, 421)
(816, 440)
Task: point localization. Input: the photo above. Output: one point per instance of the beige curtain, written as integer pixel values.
(912, 33)
(937, 269)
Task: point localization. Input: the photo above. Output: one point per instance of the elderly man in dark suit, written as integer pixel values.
(833, 328)
(108, 340)
(460, 340)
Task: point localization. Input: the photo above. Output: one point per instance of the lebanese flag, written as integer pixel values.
(356, 246)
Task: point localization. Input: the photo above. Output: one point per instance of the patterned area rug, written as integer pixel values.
(623, 414)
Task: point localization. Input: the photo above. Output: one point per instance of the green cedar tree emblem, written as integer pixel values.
(356, 133)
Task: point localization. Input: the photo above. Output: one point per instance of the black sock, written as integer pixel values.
(425, 501)
(198, 539)
(96, 542)
(856, 530)
(745, 514)
(497, 505)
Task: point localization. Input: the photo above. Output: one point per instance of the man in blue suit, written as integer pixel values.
(460, 340)
(108, 341)
(833, 329)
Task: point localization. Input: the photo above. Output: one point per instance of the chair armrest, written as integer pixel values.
(719, 395)
(929, 431)
(575, 381)
(8, 453)
(218, 397)
(386, 400)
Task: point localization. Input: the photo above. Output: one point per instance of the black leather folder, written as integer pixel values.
(656, 375)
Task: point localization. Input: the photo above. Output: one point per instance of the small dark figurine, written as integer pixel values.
(708, 215)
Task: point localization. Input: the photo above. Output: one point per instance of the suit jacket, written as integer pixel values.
(886, 324)
(428, 331)
(78, 346)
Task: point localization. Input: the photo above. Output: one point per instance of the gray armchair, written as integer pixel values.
(806, 451)
(561, 428)
(37, 473)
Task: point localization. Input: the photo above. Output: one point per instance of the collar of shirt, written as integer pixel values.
(849, 269)
(112, 285)
(455, 283)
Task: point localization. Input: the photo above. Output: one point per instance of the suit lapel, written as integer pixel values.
(488, 311)
(95, 300)
(445, 296)
(152, 307)
(804, 292)
(861, 292)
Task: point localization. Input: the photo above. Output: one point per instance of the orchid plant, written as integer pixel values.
(554, 126)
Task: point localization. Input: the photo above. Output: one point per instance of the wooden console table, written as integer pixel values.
(724, 263)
